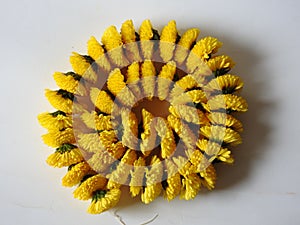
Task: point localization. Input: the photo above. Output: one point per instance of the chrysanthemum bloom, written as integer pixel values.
(154, 111)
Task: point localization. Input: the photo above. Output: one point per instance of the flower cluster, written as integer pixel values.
(107, 137)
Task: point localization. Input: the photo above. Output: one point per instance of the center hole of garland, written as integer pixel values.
(155, 106)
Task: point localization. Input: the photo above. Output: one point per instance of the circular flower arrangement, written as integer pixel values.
(148, 110)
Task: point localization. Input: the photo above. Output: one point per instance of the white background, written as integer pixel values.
(36, 39)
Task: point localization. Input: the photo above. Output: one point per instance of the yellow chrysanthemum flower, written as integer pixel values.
(225, 120)
(203, 50)
(137, 176)
(172, 185)
(121, 173)
(185, 43)
(206, 46)
(146, 34)
(220, 64)
(220, 134)
(153, 187)
(88, 186)
(165, 78)
(148, 72)
(226, 102)
(58, 138)
(94, 48)
(148, 137)
(129, 37)
(104, 200)
(191, 184)
(67, 81)
(151, 110)
(101, 100)
(80, 63)
(61, 100)
(90, 142)
(227, 84)
(168, 38)
(76, 173)
(100, 122)
(65, 155)
(96, 51)
(209, 177)
(112, 42)
(55, 121)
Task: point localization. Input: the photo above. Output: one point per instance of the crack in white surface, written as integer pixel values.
(121, 221)
(32, 207)
(151, 220)
(118, 217)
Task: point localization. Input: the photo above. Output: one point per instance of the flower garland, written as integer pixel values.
(154, 111)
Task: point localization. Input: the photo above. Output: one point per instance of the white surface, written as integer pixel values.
(263, 186)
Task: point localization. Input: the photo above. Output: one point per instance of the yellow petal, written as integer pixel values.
(151, 193)
(102, 202)
(115, 82)
(202, 50)
(209, 175)
(205, 47)
(167, 41)
(86, 189)
(184, 83)
(225, 119)
(148, 78)
(133, 73)
(108, 137)
(227, 102)
(168, 144)
(188, 113)
(89, 142)
(221, 134)
(164, 80)
(227, 84)
(55, 121)
(101, 161)
(95, 50)
(189, 37)
(111, 38)
(185, 43)
(120, 175)
(148, 136)
(67, 81)
(102, 100)
(184, 166)
(128, 31)
(220, 64)
(169, 32)
(129, 157)
(137, 177)
(57, 138)
(76, 173)
(155, 172)
(65, 156)
(172, 185)
(191, 186)
(130, 129)
(146, 34)
(95, 121)
(210, 147)
(61, 100)
(145, 31)
(129, 36)
(224, 155)
(80, 63)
